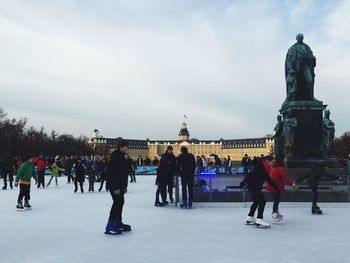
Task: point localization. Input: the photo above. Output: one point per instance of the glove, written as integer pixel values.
(242, 184)
(16, 184)
(116, 192)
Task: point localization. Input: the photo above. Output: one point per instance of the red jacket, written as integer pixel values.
(41, 164)
(280, 177)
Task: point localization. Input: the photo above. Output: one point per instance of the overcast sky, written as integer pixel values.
(133, 68)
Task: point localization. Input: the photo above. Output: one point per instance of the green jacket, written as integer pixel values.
(26, 171)
(55, 170)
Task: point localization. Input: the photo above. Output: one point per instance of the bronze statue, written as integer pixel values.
(289, 128)
(328, 131)
(299, 71)
(278, 137)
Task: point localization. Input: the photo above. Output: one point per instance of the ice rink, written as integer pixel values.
(68, 227)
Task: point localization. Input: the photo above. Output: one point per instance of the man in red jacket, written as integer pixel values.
(41, 165)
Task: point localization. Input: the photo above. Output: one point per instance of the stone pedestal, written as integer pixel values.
(307, 150)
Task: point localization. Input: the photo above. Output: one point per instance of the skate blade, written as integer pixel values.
(112, 233)
(279, 222)
(261, 226)
(250, 223)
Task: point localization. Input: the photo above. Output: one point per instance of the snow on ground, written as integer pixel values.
(68, 227)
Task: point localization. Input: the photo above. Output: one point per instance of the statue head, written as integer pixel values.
(300, 38)
(327, 113)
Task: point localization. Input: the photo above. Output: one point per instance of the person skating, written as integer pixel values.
(254, 182)
(157, 202)
(186, 165)
(68, 165)
(55, 171)
(279, 175)
(103, 175)
(167, 170)
(79, 170)
(41, 166)
(131, 170)
(23, 178)
(117, 180)
(92, 179)
(7, 171)
(313, 177)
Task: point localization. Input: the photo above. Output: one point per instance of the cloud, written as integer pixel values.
(133, 68)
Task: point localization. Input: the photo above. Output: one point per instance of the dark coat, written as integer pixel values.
(257, 177)
(186, 164)
(79, 172)
(167, 167)
(118, 171)
(315, 175)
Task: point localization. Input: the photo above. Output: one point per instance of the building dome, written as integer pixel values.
(184, 135)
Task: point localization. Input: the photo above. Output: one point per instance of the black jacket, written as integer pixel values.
(167, 164)
(315, 175)
(118, 170)
(79, 172)
(186, 164)
(257, 177)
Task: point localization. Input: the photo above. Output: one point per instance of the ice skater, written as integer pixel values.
(41, 166)
(313, 178)
(117, 181)
(92, 179)
(103, 175)
(186, 165)
(7, 169)
(55, 170)
(254, 182)
(131, 170)
(279, 175)
(24, 176)
(167, 170)
(79, 170)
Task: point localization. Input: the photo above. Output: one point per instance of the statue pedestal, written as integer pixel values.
(307, 150)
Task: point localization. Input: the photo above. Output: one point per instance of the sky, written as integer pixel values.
(133, 68)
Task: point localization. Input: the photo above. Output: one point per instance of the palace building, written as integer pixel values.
(235, 148)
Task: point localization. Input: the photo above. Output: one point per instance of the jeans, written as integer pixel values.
(117, 206)
(258, 203)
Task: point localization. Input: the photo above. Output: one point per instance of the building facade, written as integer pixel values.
(235, 148)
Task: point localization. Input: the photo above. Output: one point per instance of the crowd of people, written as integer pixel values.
(115, 171)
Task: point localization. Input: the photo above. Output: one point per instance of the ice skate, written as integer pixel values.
(250, 220)
(112, 229)
(27, 205)
(189, 203)
(277, 218)
(157, 203)
(316, 210)
(20, 206)
(184, 204)
(122, 226)
(261, 224)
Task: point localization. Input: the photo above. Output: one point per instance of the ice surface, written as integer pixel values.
(68, 227)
